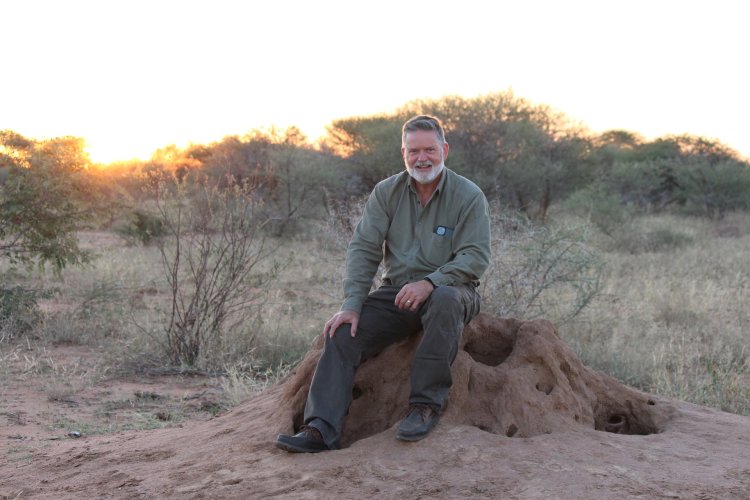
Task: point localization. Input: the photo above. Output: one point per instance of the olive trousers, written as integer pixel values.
(442, 317)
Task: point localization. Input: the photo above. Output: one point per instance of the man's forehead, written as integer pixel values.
(422, 138)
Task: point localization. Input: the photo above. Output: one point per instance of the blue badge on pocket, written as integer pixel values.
(443, 231)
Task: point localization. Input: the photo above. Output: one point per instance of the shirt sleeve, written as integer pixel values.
(471, 239)
(365, 251)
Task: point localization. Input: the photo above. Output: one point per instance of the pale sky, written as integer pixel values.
(133, 76)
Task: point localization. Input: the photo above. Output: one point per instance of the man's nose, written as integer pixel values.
(422, 156)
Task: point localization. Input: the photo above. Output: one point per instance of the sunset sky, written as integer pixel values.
(134, 76)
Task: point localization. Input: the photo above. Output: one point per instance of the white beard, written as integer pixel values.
(425, 177)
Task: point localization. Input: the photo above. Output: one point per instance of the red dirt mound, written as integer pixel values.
(511, 378)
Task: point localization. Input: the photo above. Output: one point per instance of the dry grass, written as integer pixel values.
(671, 317)
(119, 302)
(675, 321)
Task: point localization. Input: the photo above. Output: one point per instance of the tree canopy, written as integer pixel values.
(45, 197)
(523, 155)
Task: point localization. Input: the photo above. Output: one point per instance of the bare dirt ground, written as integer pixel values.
(52, 393)
(525, 420)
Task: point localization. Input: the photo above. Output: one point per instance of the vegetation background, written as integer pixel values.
(223, 260)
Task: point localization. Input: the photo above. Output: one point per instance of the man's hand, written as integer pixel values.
(411, 296)
(339, 319)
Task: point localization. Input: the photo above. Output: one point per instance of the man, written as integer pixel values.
(431, 229)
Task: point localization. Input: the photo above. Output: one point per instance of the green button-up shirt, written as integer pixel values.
(447, 240)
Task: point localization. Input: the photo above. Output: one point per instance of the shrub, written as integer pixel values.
(600, 207)
(143, 227)
(19, 310)
(540, 270)
(211, 258)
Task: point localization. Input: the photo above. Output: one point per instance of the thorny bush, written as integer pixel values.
(540, 270)
(211, 253)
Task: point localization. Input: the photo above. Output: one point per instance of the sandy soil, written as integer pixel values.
(50, 393)
(525, 420)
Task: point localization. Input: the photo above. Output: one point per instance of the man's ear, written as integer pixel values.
(445, 151)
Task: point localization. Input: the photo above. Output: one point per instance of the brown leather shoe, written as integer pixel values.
(418, 423)
(307, 440)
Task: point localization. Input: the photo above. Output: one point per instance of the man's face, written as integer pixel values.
(424, 155)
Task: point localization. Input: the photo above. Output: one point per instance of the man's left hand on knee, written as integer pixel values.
(412, 295)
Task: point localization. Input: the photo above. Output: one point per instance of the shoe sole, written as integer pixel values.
(282, 445)
(402, 437)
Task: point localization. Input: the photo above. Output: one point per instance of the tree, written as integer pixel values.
(285, 171)
(524, 155)
(45, 197)
(370, 146)
(714, 190)
(300, 177)
(693, 173)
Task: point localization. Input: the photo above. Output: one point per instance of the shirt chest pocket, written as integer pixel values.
(439, 243)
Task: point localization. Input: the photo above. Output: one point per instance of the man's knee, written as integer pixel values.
(343, 344)
(339, 337)
(446, 298)
(448, 304)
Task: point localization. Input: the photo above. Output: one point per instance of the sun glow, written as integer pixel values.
(104, 152)
(131, 83)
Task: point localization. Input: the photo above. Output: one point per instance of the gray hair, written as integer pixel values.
(423, 122)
